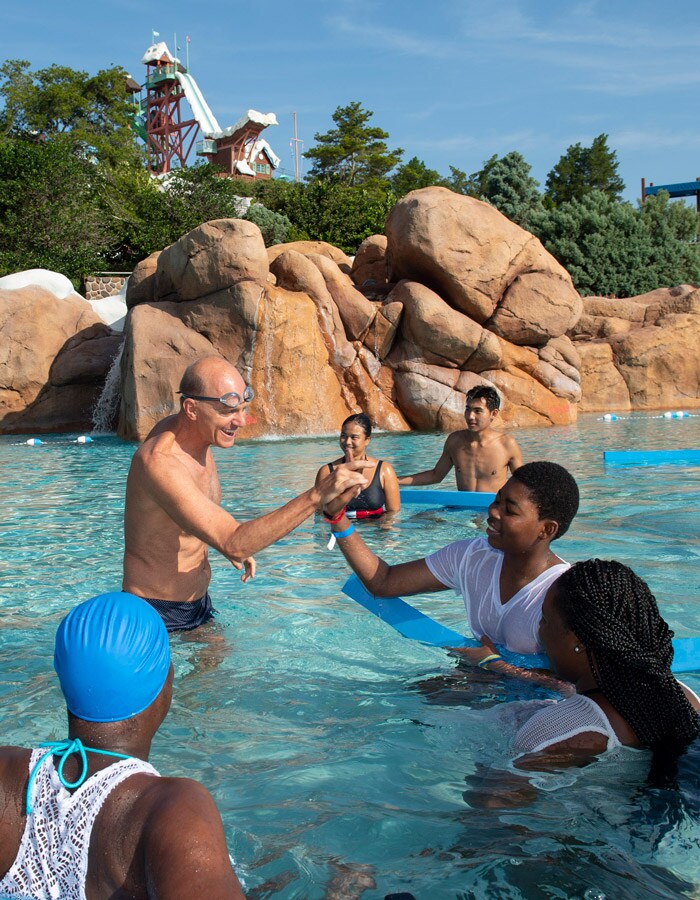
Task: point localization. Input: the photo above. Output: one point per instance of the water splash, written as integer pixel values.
(105, 412)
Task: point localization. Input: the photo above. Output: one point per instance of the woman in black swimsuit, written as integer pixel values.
(382, 493)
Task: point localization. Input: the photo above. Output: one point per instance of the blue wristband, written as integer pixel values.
(341, 534)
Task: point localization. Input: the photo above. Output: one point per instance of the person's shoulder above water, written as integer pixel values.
(165, 426)
(602, 630)
(112, 658)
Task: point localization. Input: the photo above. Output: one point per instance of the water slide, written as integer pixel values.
(138, 125)
(200, 108)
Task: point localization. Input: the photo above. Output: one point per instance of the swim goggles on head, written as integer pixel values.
(232, 399)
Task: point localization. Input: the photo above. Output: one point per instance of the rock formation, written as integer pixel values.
(402, 332)
(54, 359)
(642, 352)
(454, 295)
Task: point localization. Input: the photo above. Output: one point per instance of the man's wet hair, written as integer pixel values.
(553, 490)
(488, 394)
(361, 419)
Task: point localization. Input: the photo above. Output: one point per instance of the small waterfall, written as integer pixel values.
(105, 412)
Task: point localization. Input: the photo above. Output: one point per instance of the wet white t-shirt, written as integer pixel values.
(472, 568)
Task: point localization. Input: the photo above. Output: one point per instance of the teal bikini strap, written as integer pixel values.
(64, 749)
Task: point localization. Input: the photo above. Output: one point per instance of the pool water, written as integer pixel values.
(340, 754)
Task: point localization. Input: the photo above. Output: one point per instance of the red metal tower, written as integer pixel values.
(169, 137)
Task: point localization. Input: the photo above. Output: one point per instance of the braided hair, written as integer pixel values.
(615, 615)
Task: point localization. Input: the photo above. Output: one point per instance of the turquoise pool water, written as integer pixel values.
(335, 749)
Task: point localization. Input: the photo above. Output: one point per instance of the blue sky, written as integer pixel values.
(452, 81)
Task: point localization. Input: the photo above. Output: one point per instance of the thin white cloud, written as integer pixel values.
(391, 38)
(645, 139)
(583, 24)
(487, 143)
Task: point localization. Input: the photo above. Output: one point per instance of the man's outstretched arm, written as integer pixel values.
(176, 492)
(434, 475)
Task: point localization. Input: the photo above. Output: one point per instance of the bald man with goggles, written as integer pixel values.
(173, 496)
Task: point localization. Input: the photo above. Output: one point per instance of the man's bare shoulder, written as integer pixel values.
(458, 440)
(165, 425)
(160, 448)
(507, 441)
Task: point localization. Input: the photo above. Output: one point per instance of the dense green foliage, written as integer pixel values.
(612, 249)
(49, 210)
(92, 112)
(413, 175)
(328, 210)
(75, 196)
(582, 170)
(506, 183)
(273, 226)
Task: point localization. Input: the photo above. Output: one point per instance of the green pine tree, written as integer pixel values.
(353, 152)
(584, 169)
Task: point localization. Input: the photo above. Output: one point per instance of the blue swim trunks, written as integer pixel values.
(183, 616)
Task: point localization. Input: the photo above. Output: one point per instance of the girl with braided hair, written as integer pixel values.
(602, 630)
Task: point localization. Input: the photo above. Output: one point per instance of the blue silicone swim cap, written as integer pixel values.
(112, 657)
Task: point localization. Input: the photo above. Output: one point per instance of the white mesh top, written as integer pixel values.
(552, 721)
(473, 568)
(557, 721)
(53, 855)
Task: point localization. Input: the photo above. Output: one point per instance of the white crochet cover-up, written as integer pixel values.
(52, 860)
(557, 721)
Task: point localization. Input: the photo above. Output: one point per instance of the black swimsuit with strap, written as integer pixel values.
(372, 498)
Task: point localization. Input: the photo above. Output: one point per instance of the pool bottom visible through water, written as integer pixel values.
(343, 757)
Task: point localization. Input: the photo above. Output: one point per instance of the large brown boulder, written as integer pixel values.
(322, 248)
(602, 386)
(442, 332)
(356, 312)
(141, 287)
(660, 363)
(295, 272)
(296, 390)
(158, 347)
(54, 357)
(478, 261)
(519, 360)
(370, 263)
(211, 258)
(382, 331)
(429, 404)
(530, 403)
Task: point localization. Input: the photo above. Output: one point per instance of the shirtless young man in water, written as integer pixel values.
(481, 455)
(173, 496)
